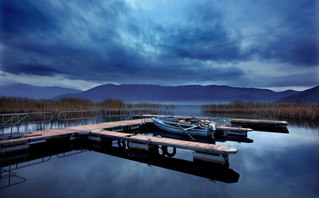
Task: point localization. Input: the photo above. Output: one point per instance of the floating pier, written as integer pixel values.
(262, 125)
(35, 137)
(240, 126)
(102, 133)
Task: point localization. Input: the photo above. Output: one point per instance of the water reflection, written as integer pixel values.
(42, 153)
(274, 165)
(212, 171)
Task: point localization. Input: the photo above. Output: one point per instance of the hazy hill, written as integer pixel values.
(34, 92)
(308, 96)
(178, 93)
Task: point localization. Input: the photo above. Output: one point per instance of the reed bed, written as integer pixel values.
(25, 105)
(295, 111)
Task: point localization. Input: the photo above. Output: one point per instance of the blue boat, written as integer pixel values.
(185, 127)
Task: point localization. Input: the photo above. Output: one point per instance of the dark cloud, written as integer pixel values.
(295, 40)
(299, 51)
(202, 44)
(23, 17)
(40, 70)
(115, 42)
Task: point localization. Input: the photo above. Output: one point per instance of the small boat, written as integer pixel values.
(192, 127)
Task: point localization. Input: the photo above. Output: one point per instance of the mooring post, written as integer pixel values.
(216, 158)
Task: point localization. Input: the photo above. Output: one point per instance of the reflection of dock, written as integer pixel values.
(204, 151)
(42, 152)
(35, 155)
(212, 171)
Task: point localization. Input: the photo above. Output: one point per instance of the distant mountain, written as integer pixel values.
(155, 93)
(33, 92)
(308, 96)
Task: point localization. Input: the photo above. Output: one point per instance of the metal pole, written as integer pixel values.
(18, 123)
(11, 122)
(44, 120)
(3, 124)
(64, 119)
(82, 117)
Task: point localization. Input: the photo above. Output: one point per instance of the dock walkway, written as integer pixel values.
(191, 145)
(64, 132)
(102, 131)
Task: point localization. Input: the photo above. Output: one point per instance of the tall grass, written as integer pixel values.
(267, 110)
(25, 105)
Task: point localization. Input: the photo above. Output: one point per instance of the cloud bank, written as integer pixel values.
(162, 42)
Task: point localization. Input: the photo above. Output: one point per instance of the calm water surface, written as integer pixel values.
(274, 165)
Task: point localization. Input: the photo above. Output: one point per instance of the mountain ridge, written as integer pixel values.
(131, 92)
(158, 93)
(34, 92)
(307, 96)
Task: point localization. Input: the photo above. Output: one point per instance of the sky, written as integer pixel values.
(81, 44)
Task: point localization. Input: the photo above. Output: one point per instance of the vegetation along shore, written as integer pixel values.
(25, 105)
(295, 111)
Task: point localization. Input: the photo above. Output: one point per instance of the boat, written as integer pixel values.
(190, 127)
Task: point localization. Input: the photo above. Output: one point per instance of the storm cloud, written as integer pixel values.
(161, 42)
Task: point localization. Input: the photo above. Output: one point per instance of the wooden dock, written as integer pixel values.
(191, 145)
(49, 134)
(251, 123)
(102, 133)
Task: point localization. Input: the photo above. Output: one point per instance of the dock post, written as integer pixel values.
(94, 138)
(141, 146)
(14, 148)
(226, 133)
(216, 158)
(138, 146)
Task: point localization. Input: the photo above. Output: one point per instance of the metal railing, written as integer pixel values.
(11, 123)
(16, 119)
(79, 115)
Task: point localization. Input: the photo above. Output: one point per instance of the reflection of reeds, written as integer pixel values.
(277, 110)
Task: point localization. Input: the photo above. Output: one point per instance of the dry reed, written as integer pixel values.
(25, 105)
(296, 111)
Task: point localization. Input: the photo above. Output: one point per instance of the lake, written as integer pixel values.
(273, 165)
